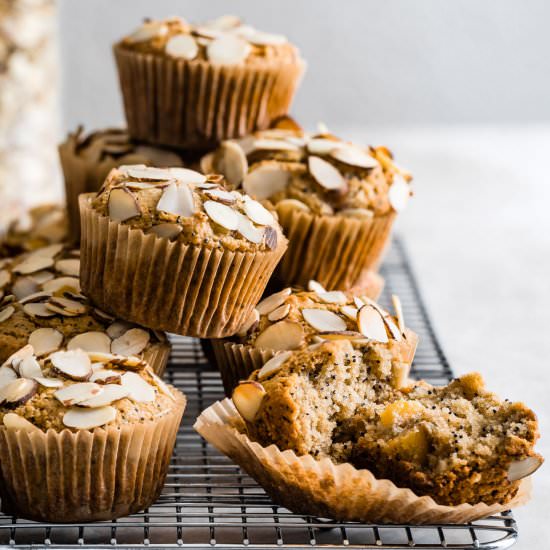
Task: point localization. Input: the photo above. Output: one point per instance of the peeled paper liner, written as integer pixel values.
(195, 104)
(86, 475)
(327, 490)
(157, 356)
(171, 286)
(333, 250)
(237, 362)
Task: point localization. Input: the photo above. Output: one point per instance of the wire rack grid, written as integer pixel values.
(209, 502)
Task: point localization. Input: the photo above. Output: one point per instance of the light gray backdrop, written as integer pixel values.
(391, 62)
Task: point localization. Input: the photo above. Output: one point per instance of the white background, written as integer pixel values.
(461, 92)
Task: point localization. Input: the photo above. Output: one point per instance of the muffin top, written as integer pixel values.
(41, 304)
(336, 401)
(222, 41)
(79, 390)
(295, 319)
(317, 173)
(42, 225)
(186, 206)
(105, 149)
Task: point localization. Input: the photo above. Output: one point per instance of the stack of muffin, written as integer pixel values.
(211, 194)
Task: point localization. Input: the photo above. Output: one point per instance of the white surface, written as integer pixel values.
(390, 62)
(478, 232)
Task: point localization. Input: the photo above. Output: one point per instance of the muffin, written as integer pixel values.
(173, 250)
(331, 432)
(43, 225)
(84, 436)
(191, 86)
(295, 319)
(87, 159)
(336, 201)
(41, 304)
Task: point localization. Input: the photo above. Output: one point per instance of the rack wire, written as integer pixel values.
(209, 502)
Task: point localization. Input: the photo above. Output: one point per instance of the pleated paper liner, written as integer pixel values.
(85, 175)
(324, 489)
(157, 356)
(237, 362)
(86, 475)
(333, 250)
(194, 104)
(171, 286)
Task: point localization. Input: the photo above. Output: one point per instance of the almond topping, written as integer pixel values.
(118, 328)
(266, 180)
(281, 336)
(280, 313)
(257, 212)
(399, 193)
(273, 365)
(132, 342)
(24, 286)
(183, 46)
(13, 421)
(325, 174)
(106, 376)
(165, 230)
(110, 394)
(86, 419)
(77, 393)
(267, 305)
(248, 230)
(349, 154)
(316, 287)
(250, 323)
(323, 320)
(350, 312)
(247, 398)
(30, 368)
(70, 267)
(221, 214)
(371, 324)
(398, 312)
(523, 468)
(138, 389)
(7, 375)
(220, 195)
(38, 310)
(74, 364)
(61, 284)
(230, 160)
(228, 50)
(33, 264)
(6, 313)
(322, 146)
(91, 341)
(190, 177)
(177, 199)
(142, 172)
(15, 358)
(5, 278)
(333, 297)
(18, 392)
(123, 205)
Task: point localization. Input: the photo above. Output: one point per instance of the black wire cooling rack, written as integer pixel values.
(210, 502)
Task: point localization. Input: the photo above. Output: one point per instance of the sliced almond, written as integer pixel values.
(148, 31)
(165, 230)
(48, 382)
(86, 419)
(138, 389)
(350, 312)
(223, 23)
(61, 284)
(49, 251)
(288, 205)
(24, 286)
(314, 286)
(220, 195)
(13, 421)
(33, 264)
(228, 50)
(5, 277)
(105, 376)
(73, 364)
(128, 362)
(322, 146)
(207, 163)
(38, 310)
(6, 313)
(357, 213)
(70, 267)
(36, 297)
(18, 392)
(325, 174)
(101, 315)
(257, 212)
(230, 160)
(393, 328)
(371, 324)
(77, 393)
(273, 365)
(353, 156)
(221, 214)
(122, 205)
(323, 320)
(160, 384)
(267, 305)
(132, 342)
(90, 341)
(248, 230)
(359, 302)
(265, 181)
(110, 394)
(333, 297)
(142, 172)
(177, 199)
(185, 175)
(30, 368)
(45, 340)
(260, 38)
(523, 468)
(279, 314)
(15, 358)
(250, 323)
(275, 145)
(183, 46)
(247, 398)
(270, 237)
(41, 277)
(7, 375)
(342, 335)
(399, 193)
(281, 336)
(398, 312)
(66, 307)
(118, 328)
